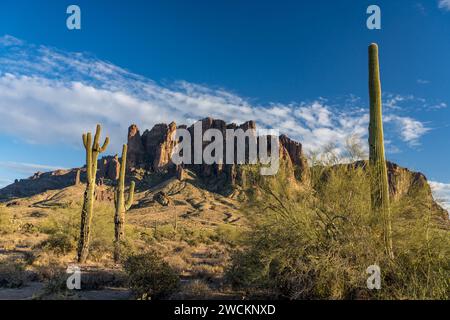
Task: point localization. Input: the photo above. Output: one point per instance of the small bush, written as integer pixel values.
(28, 228)
(6, 226)
(150, 277)
(196, 289)
(60, 243)
(12, 275)
(229, 234)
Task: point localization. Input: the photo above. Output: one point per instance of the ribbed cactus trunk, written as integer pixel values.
(377, 161)
(121, 205)
(92, 152)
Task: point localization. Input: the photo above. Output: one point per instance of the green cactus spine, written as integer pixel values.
(121, 205)
(93, 149)
(377, 161)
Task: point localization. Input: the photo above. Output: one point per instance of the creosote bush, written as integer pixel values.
(150, 277)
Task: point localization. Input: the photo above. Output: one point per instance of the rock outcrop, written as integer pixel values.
(158, 146)
(135, 153)
(153, 150)
(108, 167)
(404, 182)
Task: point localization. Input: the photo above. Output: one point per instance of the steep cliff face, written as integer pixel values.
(404, 182)
(108, 168)
(158, 146)
(135, 153)
(154, 149)
(295, 152)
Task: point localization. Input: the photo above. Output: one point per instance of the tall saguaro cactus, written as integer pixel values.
(121, 205)
(377, 161)
(93, 149)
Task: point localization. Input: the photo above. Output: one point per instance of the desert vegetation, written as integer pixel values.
(309, 232)
(316, 243)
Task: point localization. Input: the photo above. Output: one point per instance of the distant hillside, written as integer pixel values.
(149, 163)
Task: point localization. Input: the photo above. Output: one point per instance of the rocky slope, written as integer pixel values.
(149, 162)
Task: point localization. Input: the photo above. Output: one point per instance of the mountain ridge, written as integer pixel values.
(149, 162)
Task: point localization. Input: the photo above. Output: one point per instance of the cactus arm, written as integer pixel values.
(89, 157)
(98, 131)
(130, 196)
(105, 145)
(85, 143)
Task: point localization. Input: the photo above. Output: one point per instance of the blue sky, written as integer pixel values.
(296, 66)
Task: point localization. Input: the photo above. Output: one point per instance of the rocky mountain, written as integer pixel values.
(152, 151)
(149, 162)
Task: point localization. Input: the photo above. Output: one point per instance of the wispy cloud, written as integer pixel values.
(421, 8)
(51, 96)
(444, 5)
(410, 130)
(441, 192)
(26, 168)
(422, 81)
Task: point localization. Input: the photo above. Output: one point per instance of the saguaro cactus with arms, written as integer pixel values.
(93, 149)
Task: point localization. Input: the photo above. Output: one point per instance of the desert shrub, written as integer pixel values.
(177, 263)
(228, 234)
(55, 281)
(64, 221)
(6, 225)
(28, 228)
(196, 289)
(60, 243)
(196, 236)
(317, 243)
(206, 271)
(12, 275)
(63, 227)
(165, 231)
(102, 228)
(150, 277)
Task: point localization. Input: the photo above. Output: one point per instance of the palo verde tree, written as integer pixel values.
(121, 205)
(93, 149)
(377, 161)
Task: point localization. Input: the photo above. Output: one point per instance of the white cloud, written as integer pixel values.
(26, 168)
(394, 101)
(48, 96)
(444, 4)
(422, 81)
(8, 41)
(439, 105)
(410, 129)
(441, 193)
